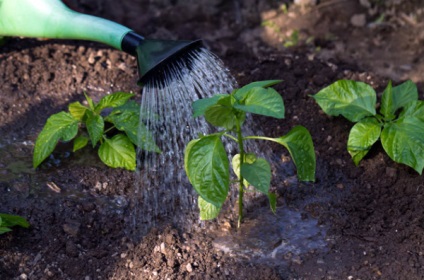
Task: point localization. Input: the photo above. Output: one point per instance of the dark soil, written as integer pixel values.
(373, 212)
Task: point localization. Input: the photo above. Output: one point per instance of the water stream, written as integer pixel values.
(164, 192)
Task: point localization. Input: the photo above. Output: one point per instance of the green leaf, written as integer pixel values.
(397, 97)
(239, 93)
(113, 100)
(132, 107)
(60, 126)
(261, 101)
(95, 127)
(129, 106)
(249, 158)
(126, 121)
(4, 230)
(89, 101)
(8, 220)
(351, 99)
(301, 148)
(208, 211)
(222, 114)
(129, 122)
(387, 103)
(118, 152)
(79, 143)
(146, 139)
(403, 141)
(77, 110)
(207, 167)
(200, 106)
(258, 174)
(413, 110)
(361, 138)
(272, 202)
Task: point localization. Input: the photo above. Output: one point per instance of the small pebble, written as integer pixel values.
(189, 267)
(358, 20)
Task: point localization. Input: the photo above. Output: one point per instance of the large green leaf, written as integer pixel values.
(130, 105)
(113, 100)
(222, 114)
(208, 211)
(235, 162)
(77, 110)
(207, 167)
(258, 174)
(403, 141)
(299, 143)
(200, 106)
(262, 101)
(95, 127)
(361, 138)
(239, 93)
(60, 126)
(118, 152)
(397, 97)
(129, 122)
(351, 99)
(413, 110)
(8, 220)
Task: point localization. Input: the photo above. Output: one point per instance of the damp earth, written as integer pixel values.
(353, 222)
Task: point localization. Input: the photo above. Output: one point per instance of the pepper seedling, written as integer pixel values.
(399, 124)
(206, 162)
(84, 124)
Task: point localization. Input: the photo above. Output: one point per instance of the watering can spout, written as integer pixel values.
(52, 19)
(154, 57)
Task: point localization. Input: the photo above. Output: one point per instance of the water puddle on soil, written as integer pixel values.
(15, 160)
(278, 239)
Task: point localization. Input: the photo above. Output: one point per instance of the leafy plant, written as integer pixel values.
(84, 124)
(7, 221)
(399, 124)
(206, 161)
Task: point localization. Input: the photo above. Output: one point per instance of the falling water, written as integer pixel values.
(163, 192)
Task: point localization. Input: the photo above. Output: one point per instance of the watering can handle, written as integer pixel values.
(52, 19)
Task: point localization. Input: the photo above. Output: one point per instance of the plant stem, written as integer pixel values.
(109, 129)
(241, 179)
(230, 136)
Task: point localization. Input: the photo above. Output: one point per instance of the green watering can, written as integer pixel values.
(52, 19)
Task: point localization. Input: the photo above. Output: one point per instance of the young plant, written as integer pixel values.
(7, 221)
(206, 161)
(399, 124)
(84, 124)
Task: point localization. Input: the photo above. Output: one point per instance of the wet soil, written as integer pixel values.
(368, 221)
